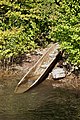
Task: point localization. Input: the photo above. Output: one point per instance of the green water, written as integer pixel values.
(42, 103)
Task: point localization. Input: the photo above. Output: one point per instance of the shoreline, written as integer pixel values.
(16, 72)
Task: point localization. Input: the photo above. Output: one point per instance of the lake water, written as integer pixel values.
(44, 102)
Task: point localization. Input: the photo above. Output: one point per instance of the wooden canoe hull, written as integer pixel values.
(37, 73)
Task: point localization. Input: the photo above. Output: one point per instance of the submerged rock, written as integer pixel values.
(58, 73)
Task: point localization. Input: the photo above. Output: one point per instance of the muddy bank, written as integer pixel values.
(14, 74)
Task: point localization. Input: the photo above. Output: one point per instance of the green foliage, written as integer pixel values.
(13, 44)
(26, 24)
(67, 30)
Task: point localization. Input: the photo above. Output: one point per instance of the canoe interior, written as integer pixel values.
(35, 74)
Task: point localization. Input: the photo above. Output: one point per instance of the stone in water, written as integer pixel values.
(58, 73)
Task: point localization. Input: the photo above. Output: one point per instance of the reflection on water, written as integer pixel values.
(42, 103)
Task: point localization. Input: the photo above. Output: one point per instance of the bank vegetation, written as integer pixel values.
(28, 24)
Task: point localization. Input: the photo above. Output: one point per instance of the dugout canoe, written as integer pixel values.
(40, 70)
